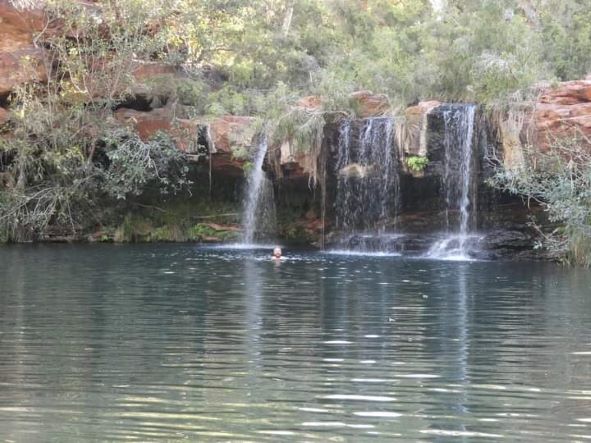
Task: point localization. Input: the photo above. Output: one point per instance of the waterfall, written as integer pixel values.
(367, 196)
(458, 183)
(259, 204)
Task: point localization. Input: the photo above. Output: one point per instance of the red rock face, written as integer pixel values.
(232, 131)
(368, 104)
(228, 134)
(564, 111)
(21, 66)
(147, 124)
(17, 26)
(227, 131)
(20, 60)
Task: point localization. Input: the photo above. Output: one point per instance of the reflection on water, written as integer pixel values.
(172, 342)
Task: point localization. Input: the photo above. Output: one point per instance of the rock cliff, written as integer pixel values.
(224, 142)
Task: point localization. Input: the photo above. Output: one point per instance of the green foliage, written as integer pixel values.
(70, 166)
(203, 231)
(417, 163)
(135, 229)
(240, 153)
(560, 180)
(132, 229)
(566, 32)
(68, 157)
(135, 165)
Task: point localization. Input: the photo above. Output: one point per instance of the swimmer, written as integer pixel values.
(277, 253)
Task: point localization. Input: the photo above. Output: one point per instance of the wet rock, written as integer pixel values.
(355, 170)
(295, 165)
(415, 128)
(502, 243)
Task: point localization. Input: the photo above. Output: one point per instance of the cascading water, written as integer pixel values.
(458, 183)
(259, 204)
(367, 195)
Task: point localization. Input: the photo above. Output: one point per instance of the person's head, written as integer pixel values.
(277, 252)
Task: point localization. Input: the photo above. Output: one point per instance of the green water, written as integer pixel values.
(159, 342)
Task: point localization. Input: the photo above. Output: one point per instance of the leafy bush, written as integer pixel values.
(135, 165)
(417, 163)
(560, 180)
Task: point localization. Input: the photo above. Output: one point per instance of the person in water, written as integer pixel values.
(277, 253)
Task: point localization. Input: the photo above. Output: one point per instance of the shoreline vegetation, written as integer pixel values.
(77, 161)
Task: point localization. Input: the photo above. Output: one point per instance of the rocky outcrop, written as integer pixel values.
(225, 143)
(20, 60)
(414, 136)
(228, 138)
(310, 103)
(232, 140)
(367, 104)
(296, 165)
(231, 133)
(564, 111)
(18, 26)
(146, 124)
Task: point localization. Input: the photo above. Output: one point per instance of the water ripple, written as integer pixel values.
(170, 342)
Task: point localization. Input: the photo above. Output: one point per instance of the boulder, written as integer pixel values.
(563, 111)
(145, 71)
(17, 26)
(367, 104)
(154, 82)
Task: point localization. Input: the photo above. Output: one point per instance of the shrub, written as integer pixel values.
(417, 163)
(560, 180)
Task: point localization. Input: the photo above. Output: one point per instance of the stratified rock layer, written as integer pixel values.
(564, 111)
